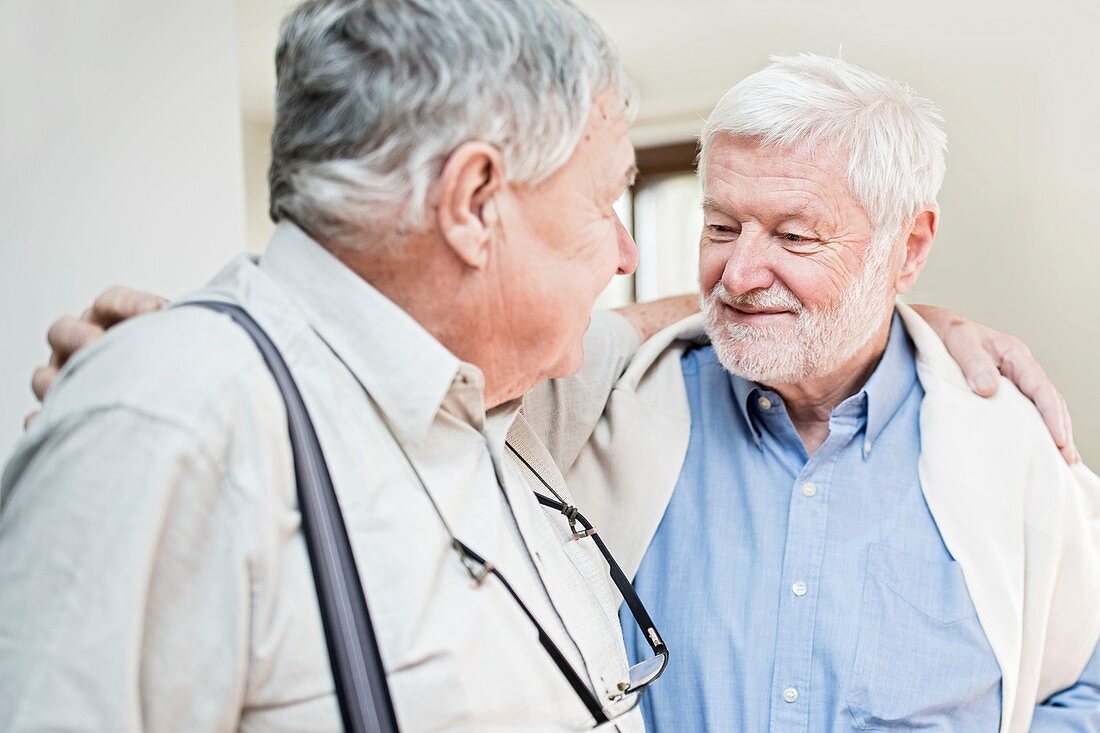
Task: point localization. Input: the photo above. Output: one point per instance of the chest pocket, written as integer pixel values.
(922, 659)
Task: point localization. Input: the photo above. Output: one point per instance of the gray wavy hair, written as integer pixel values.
(374, 95)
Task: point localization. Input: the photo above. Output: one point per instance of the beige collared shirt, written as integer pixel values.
(152, 571)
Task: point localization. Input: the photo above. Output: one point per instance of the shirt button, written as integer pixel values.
(799, 588)
(764, 402)
(809, 489)
(790, 695)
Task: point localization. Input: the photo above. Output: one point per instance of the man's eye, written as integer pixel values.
(722, 229)
(797, 238)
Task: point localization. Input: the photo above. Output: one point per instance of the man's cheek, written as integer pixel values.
(710, 272)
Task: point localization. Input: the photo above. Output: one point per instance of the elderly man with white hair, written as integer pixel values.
(443, 179)
(832, 531)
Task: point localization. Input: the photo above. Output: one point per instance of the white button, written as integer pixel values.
(866, 447)
(809, 489)
(799, 588)
(790, 694)
(764, 402)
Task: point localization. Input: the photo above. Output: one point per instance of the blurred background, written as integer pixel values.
(133, 149)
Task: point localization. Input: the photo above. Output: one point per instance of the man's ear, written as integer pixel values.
(918, 245)
(472, 176)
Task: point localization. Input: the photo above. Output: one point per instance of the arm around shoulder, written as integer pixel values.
(654, 316)
(563, 412)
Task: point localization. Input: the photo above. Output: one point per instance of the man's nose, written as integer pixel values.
(749, 265)
(628, 250)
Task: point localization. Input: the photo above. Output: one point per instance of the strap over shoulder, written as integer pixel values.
(357, 670)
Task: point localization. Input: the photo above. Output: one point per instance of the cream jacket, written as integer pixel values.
(1024, 527)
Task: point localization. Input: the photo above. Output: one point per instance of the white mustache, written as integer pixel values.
(777, 296)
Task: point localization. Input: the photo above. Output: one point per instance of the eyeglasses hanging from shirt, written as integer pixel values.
(361, 687)
(640, 675)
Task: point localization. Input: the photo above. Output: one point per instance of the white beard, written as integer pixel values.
(820, 342)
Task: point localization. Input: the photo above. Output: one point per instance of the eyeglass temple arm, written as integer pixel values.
(570, 674)
(641, 615)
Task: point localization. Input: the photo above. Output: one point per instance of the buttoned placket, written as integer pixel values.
(464, 402)
(803, 559)
(573, 573)
(545, 546)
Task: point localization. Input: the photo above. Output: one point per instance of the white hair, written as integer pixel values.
(893, 139)
(374, 95)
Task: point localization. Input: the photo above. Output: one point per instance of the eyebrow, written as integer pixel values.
(804, 212)
(710, 204)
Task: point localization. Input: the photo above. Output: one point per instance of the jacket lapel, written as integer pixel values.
(975, 494)
(975, 487)
(624, 477)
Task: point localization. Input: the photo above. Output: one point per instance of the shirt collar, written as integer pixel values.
(891, 381)
(883, 394)
(743, 392)
(403, 367)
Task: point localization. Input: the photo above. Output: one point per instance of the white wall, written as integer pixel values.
(120, 161)
(256, 144)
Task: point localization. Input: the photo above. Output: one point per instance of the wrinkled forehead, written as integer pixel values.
(749, 157)
(604, 146)
(749, 171)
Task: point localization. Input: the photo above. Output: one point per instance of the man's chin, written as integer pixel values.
(760, 360)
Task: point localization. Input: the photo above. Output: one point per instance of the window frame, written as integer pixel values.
(656, 162)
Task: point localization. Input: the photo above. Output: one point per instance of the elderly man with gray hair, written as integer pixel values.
(834, 533)
(443, 178)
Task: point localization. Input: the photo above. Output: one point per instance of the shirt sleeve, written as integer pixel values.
(564, 412)
(1074, 710)
(124, 592)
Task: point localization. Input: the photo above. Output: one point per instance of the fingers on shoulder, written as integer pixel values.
(969, 347)
(1018, 364)
(119, 302)
(67, 335)
(42, 379)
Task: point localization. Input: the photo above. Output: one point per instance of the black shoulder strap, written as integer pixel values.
(357, 670)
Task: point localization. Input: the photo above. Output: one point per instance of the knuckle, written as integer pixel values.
(1033, 385)
(965, 344)
(112, 293)
(1018, 348)
(58, 330)
(1020, 358)
(976, 362)
(977, 359)
(41, 380)
(113, 300)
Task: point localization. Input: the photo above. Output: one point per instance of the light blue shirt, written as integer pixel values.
(803, 593)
